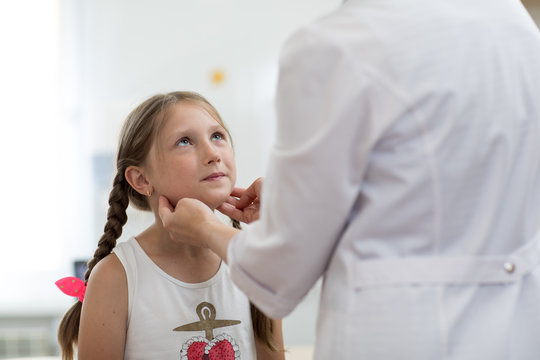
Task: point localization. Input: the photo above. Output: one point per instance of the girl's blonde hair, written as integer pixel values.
(138, 133)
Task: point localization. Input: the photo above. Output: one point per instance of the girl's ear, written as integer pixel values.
(138, 181)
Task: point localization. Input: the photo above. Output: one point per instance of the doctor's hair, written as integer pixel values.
(137, 136)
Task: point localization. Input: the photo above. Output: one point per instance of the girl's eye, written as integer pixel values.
(183, 142)
(218, 136)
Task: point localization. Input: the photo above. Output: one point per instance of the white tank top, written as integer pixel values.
(169, 319)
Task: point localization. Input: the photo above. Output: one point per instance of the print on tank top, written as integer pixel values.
(221, 347)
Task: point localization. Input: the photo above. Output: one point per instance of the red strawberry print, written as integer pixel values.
(193, 349)
(222, 347)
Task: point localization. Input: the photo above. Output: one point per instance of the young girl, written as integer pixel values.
(151, 297)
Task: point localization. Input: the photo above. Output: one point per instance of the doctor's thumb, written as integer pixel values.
(165, 209)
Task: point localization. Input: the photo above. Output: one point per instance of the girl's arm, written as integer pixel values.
(263, 353)
(102, 331)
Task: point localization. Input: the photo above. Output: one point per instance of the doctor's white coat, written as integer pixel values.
(406, 172)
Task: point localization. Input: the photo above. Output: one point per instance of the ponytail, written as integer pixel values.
(68, 330)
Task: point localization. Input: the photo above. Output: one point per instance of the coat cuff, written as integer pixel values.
(271, 304)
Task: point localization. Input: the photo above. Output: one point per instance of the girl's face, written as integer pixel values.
(192, 157)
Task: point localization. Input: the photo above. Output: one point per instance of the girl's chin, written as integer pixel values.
(214, 205)
(214, 202)
(216, 199)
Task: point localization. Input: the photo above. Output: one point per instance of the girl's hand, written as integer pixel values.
(243, 204)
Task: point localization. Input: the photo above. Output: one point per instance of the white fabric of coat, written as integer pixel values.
(406, 172)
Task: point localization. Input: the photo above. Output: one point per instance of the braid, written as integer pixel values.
(263, 328)
(68, 330)
(116, 218)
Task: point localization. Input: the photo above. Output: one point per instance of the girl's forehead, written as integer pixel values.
(186, 113)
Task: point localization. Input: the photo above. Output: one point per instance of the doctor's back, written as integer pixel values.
(426, 115)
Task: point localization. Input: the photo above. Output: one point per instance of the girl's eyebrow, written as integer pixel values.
(175, 135)
(217, 127)
(180, 132)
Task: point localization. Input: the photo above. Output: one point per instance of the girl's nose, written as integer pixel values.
(216, 158)
(212, 154)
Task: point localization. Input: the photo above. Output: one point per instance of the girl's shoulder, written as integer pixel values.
(108, 272)
(104, 311)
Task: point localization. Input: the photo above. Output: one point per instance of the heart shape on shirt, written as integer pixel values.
(222, 347)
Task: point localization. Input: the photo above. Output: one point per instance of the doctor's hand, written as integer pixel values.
(194, 223)
(185, 222)
(243, 204)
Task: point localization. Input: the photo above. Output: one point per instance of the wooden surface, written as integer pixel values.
(299, 353)
(531, 2)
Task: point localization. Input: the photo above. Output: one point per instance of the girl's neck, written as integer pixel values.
(159, 242)
(184, 262)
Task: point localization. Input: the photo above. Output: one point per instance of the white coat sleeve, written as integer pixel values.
(325, 130)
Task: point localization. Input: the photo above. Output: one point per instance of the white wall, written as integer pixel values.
(71, 70)
(128, 50)
(33, 164)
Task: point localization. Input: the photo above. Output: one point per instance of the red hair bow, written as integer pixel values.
(72, 286)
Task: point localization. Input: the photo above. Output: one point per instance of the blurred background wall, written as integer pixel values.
(70, 72)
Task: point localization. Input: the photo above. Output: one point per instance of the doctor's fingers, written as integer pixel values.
(246, 215)
(231, 211)
(238, 192)
(251, 195)
(234, 202)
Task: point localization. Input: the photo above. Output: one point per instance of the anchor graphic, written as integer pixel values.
(221, 347)
(207, 322)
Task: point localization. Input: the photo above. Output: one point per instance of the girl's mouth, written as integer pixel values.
(214, 176)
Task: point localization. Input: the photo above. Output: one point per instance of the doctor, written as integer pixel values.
(406, 173)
